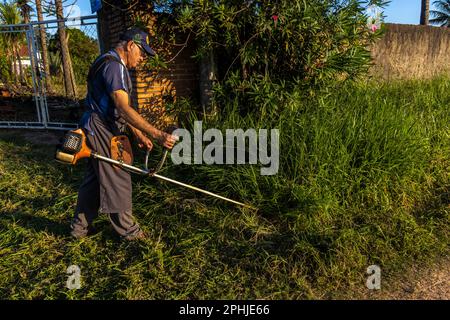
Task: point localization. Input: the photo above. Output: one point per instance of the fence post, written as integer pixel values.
(33, 71)
(40, 91)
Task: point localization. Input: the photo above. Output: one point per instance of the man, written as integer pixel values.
(106, 188)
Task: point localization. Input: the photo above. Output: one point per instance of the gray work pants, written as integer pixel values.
(105, 188)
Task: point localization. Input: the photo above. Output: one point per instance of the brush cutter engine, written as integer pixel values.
(72, 142)
(72, 148)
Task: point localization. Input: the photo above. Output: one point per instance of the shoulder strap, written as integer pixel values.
(99, 63)
(93, 71)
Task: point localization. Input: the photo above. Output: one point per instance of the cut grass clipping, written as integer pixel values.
(364, 179)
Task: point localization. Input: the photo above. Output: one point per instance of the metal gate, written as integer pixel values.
(42, 111)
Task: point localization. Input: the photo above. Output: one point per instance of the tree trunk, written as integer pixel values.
(21, 75)
(43, 40)
(14, 62)
(26, 19)
(208, 74)
(425, 12)
(72, 74)
(66, 61)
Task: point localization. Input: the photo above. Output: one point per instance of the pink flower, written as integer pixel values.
(275, 19)
(374, 27)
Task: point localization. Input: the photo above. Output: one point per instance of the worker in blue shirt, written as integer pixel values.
(106, 188)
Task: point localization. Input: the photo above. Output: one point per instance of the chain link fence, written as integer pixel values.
(33, 91)
(18, 94)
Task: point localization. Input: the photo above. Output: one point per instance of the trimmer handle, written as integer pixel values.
(169, 130)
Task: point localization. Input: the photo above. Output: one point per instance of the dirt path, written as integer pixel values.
(418, 283)
(42, 137)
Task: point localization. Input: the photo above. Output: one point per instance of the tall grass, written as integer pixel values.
(361, 170)
(363, 179)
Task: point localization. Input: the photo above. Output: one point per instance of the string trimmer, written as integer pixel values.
(74, 148)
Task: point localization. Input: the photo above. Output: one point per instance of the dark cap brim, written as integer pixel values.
(149, 50)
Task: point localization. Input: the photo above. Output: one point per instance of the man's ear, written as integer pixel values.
(128, 46)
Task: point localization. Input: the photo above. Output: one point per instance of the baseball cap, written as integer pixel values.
(140, 37)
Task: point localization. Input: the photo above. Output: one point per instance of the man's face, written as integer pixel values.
(136, 55)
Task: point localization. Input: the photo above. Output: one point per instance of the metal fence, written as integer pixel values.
(34, 106)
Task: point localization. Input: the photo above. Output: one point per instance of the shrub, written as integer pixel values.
(83, 51)
(5, 69)
(287, 43)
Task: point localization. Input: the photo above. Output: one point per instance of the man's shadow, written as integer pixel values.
(34, 223)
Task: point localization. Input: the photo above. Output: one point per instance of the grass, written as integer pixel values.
(364, 179)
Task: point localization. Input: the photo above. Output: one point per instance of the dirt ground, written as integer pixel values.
(419, 283)
(43, 137)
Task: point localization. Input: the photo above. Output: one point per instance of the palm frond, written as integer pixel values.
(9, 13)
(25, 9)
(441, 16)
(442, 6)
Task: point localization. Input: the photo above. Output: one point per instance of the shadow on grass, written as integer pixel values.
(39, 224)
(35, 223)
(30, 153)
(236, 244)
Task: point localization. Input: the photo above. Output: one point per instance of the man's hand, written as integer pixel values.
(145, 142)
(121, 100)
(166, 140)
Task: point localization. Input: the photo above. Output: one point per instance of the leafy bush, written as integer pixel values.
(83, 51)
(289, 42)
(55, 64)
(5, 69)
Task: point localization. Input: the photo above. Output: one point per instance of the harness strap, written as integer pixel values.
(99, 63)
(93, 71)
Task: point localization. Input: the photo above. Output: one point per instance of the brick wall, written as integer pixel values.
(156, 90)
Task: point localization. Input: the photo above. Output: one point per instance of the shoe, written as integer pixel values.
(76, 235)
(91, 231)
(140, 235)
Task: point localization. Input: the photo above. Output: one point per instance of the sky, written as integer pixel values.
(398, 11)
(404, 11)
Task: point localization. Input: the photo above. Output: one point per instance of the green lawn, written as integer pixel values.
(364, 179)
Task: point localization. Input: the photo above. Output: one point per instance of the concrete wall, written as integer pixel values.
(412, 52)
